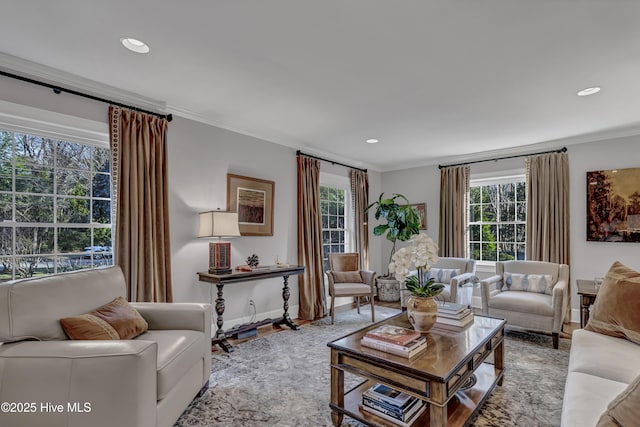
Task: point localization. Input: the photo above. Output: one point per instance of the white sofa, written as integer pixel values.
(600, 368)
(143, 382)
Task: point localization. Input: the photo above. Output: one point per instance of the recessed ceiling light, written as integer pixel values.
(135, 45)
(372, 141)
(589, 91)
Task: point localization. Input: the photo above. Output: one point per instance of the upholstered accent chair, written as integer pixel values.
(528, 294)
(452, 273)
(347, 280)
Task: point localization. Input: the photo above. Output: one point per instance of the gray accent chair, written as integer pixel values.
(347, 280)
(450, 292)
(528, 310)
(147, 381)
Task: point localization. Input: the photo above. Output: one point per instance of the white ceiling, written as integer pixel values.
(432, 79)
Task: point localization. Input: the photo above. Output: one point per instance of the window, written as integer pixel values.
(55, 205)
(335, 208)
(497, 219)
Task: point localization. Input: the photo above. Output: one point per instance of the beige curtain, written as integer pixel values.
(312, 294)
(140, 202)
(454, 191)
(360, 198)
(548, 210)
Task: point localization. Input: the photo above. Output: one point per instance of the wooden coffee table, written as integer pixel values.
(451, 375)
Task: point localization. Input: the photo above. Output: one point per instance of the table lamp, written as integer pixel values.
(219, 224)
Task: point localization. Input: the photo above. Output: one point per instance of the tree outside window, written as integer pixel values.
(497, 221)
(55, 206)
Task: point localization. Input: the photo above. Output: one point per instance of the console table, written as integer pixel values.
(588, 292)
(219, 280)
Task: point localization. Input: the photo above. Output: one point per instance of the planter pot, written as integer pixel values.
(388, 289)
(422, 313)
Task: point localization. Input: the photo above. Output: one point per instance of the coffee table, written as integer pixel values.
(452, 375)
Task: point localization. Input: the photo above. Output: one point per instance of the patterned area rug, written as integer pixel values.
(283, 380)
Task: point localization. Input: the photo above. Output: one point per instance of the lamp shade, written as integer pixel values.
(218, 224)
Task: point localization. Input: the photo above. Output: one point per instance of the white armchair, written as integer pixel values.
(452, 273)
(528, 294)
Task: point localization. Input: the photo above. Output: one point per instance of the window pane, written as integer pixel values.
(506, 233)
(6, 207)
(72, 182)
(101, 159)
(324, 192)
(508, 193)
(521, 251)
(335, 237)
(34, 240)
(489, 194)
(72, 155)
(474, 213)
(522, 211)
(31, 266)
(474, 195)
(6, 240)
(475, 232)
(73, 211)
(70, 262)
(326, 237)
(333, 208)
(336, 249)
(75, 240)
(102, 211)
(341, 209)
(6, 146)
(507, 212)
(333, 221)
(520, 232)
(488, 213)
(520, 191)
(33, 150)
(325, 221)
(475, 250)
(34, 179)
(6, 176)
(489, 252)
(34, 208)
(102, 185)
(506, 251)
(102, 237)
(6, 269)
(489, 233)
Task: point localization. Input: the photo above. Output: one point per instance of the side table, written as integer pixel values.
(588, 292)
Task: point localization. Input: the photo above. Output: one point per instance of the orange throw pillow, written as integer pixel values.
(616, 311)
(116, 320)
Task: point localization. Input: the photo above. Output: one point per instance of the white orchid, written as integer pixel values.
(420, 253)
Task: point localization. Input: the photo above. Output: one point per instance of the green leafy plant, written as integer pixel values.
(420, 286)
(402, 221)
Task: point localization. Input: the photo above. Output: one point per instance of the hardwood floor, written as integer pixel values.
(270, 329)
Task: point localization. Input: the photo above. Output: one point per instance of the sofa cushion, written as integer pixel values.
(116, 320)
(539, 283)
(604, 356)
(616, 311)
(523, 302)
(443, 275)
(32, 308)
(624, 410)
(178, 351)
(586, 398)
(346, 276)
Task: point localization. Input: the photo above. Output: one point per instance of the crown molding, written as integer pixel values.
(71, 81)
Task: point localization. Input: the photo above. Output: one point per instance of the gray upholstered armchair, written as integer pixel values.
(528, 294)
(347, 280)
(452, 273)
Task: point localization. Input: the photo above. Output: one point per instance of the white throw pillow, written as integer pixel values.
(443, 275)
(539, 283)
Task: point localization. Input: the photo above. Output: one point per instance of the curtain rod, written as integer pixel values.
(58, 90)
(560, 150)
(300, 153)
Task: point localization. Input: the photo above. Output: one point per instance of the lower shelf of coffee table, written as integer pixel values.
(460, 408)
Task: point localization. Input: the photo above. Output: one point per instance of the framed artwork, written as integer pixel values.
(252, 198)
(421, 208)
(613, 205)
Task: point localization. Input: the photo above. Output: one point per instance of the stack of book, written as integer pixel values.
(453, 316)
(392, 405)
(395, 340)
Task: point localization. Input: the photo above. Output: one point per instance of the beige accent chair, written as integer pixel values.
(528, 310)
(347, 280)
(147, 381)
(452, 285)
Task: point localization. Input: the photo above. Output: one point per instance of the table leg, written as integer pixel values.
(437, 415)
(337, 389)
(286, 319)
(498, 359)
(221, 336)
(584, 312)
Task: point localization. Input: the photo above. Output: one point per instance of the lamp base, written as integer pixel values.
(219, 257)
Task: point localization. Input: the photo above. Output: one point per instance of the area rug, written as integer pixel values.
(283, 380)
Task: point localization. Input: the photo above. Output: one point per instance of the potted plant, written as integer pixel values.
(401, 222)
(422, 251)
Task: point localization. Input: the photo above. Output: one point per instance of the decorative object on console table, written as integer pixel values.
(219, 224)
(252, 198)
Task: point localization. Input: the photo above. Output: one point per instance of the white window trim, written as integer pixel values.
(35, 121)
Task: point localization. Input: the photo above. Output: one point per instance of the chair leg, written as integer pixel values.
(333, 311)
(555, 337)
(358, 304)
(373, 317)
